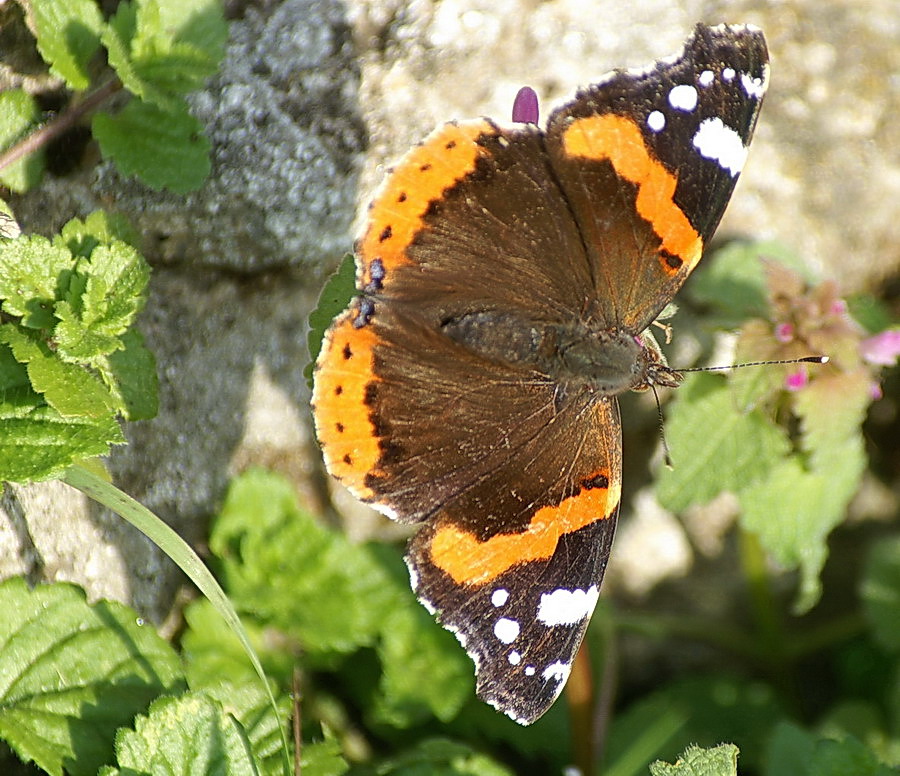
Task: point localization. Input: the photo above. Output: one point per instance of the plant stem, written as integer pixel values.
(60, 125)
(579, 695)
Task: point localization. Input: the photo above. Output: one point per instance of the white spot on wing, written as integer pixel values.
(567, 607)
(714, 140)
(728, 74)
(386, 510)
(499, 597)
(656, 121)
(754, 87)
(557, 671)
(683, 97)
(706, 78)
(514, 658)
(529, 670)
(506, 630)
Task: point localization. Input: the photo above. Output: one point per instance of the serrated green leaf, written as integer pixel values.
(68, 35)
(103, 298)
(717, 761)
(714, 447)
(880, 592)
(333, 300)
(165, 48)
(18, 113)
(797, 506)
(792, 511)
(131, 376)
(37, 443)
(199, 24)
(323, 758)
(70, 389)
(99, 228)
(71, 673)
(288, 570)
(832, 409)
(188, 734)
(425, 673)
(165, 148)
(250, 706)
(33, 273)
(442, 757)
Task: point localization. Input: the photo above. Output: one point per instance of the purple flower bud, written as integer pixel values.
(882, 349)
(525, 106)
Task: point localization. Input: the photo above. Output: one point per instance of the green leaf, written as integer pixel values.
(790, 751)
(70, 389)
(80, 238)
(101, 303)
(165, 148)
(212, 651)
(798, 505)
(714, 447)
(289, 571)
(71, 673)
(130, 374)
(718, 761)
(425, 673)
(840, 758)
(323, 758)
(33, 273)
(37, 443)
(336, 295)
(68, 35)
(792, 511)
(19, 113)
(249, 704)
(441, 757)
(165, 48)
(880, 592)
(832, 409)
(188, 734)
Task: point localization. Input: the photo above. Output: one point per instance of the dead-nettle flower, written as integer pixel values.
(882, 349)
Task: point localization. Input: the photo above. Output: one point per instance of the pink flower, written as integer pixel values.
(796, 380)
(882, 349)
(784, 332)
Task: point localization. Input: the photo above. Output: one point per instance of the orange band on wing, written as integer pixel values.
(343, 425)
(445, 157)
(619, 140)
(473, 562)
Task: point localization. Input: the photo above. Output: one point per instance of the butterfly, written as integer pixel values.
(506, 276)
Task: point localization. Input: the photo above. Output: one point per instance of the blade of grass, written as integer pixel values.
(164, 537)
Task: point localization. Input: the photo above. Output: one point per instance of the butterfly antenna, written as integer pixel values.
(804, 360)
(667, 458)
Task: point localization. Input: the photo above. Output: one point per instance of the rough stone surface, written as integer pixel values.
(306, 86)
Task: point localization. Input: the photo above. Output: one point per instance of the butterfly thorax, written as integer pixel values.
(607, 360)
